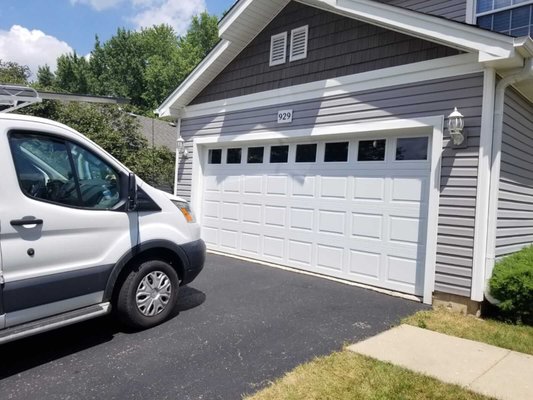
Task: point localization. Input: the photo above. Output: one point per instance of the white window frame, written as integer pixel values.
(295, 31)
(273, 40)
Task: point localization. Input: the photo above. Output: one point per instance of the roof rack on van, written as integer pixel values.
(16, 97)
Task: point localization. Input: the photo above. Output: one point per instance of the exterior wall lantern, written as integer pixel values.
(456, 124)
(182, 151)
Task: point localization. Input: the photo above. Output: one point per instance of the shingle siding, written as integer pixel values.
(459, 166)
(338, 46)
(450, 9)
(515, 200)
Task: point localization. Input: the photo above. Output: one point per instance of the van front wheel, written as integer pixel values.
(148, 295)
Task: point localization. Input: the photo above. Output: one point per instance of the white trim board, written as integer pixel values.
(432, 125)
(470, 17)
(404, 74)
(483, 186)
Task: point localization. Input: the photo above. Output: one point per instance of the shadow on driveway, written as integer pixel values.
(36, 350)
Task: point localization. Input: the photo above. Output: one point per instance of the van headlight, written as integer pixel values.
(183, 206)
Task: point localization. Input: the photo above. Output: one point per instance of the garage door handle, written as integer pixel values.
(22, 222)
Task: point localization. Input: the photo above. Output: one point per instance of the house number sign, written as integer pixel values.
(284, 116)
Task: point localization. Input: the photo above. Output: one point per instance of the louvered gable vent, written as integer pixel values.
(299, 43)
(278, 49)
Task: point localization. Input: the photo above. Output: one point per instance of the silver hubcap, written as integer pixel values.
(153, 293)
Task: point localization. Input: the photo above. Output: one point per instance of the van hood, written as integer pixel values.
(172, 197)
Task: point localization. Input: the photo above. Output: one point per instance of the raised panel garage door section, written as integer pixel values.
(352, 209)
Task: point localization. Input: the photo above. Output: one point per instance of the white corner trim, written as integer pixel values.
(433, 125)
(178, 158)
(470, 12)
(404, 74)
(433, 208)
(498, 114)
(199, 159)
(485, 166)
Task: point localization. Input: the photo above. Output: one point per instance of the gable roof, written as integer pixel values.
(247, 18)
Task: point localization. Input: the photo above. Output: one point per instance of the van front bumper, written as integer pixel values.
(195, 252)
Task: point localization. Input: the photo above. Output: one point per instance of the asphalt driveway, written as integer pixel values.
(241, 325)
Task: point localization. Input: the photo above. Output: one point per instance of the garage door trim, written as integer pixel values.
(432, 126)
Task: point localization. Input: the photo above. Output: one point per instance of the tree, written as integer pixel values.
(200, 39)
(202, 34)
(14, 73)
(144, 66)
(45, 78)
(72, 74)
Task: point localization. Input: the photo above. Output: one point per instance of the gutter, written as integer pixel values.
(517, 76)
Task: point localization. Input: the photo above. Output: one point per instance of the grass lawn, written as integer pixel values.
(346, 375)
(513, 337)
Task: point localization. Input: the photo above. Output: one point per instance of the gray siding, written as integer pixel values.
(515, 202)
(338, 46)
(459, 166)
(450, 9)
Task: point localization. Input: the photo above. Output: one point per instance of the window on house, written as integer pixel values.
(234, 156)
(278, 49)
(512, 17)
(371, 150)
(306, 153)
(255, 155)
(279, 154)
(336, 152)
(215, 156)
(410, 149)
(299, 38)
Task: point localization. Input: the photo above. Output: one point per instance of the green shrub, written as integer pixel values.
(512, 285)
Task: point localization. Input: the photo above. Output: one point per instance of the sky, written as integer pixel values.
(36, 32)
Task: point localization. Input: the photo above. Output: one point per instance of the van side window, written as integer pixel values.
(57, 171)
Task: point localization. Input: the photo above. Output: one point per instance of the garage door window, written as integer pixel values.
(215, 156)
(255, 155)
(411, 149)
(306, 153)
(371, 150)
(336, 152)
(234, 156)
(279, 154)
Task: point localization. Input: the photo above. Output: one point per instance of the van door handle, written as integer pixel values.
(22, 222)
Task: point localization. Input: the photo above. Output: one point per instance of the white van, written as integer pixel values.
(80, 235)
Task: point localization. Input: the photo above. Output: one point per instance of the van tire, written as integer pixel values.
(139, 304)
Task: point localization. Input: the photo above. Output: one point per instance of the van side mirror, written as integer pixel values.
(132, 192)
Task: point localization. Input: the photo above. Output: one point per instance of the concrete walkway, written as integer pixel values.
(485, 369)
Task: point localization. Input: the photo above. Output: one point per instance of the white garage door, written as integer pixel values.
(353, 209)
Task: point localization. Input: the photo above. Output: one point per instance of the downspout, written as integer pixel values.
(178, 157)
(499, 103)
